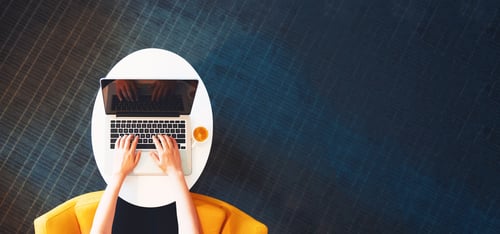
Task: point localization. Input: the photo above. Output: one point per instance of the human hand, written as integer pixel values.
(126, 89)
(167, 156)
(126, 158)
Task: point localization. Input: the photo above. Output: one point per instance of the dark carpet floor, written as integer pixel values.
(329, 116)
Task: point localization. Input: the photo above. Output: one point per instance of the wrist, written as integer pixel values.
(177, 177)
(117, 178)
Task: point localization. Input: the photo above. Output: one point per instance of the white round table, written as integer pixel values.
(152, 191)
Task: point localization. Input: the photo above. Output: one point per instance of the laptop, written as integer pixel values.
(148, 107)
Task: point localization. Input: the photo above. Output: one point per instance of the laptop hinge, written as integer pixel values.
(146, 114)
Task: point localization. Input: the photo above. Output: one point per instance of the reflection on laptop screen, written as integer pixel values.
(148, 97)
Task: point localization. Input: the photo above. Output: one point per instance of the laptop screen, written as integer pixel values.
(140, 97)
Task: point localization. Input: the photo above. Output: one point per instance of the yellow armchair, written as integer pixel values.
(216, 216)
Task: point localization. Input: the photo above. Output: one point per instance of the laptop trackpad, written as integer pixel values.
(147, 166)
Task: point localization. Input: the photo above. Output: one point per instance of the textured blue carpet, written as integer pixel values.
(329, 116)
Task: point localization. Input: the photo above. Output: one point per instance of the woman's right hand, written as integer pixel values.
(167, 156)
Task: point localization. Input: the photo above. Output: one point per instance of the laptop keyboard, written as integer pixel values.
(146, 129)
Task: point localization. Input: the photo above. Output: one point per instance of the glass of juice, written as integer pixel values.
(200, 134)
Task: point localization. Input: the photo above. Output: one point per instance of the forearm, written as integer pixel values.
(187, 215)
(103, 219)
